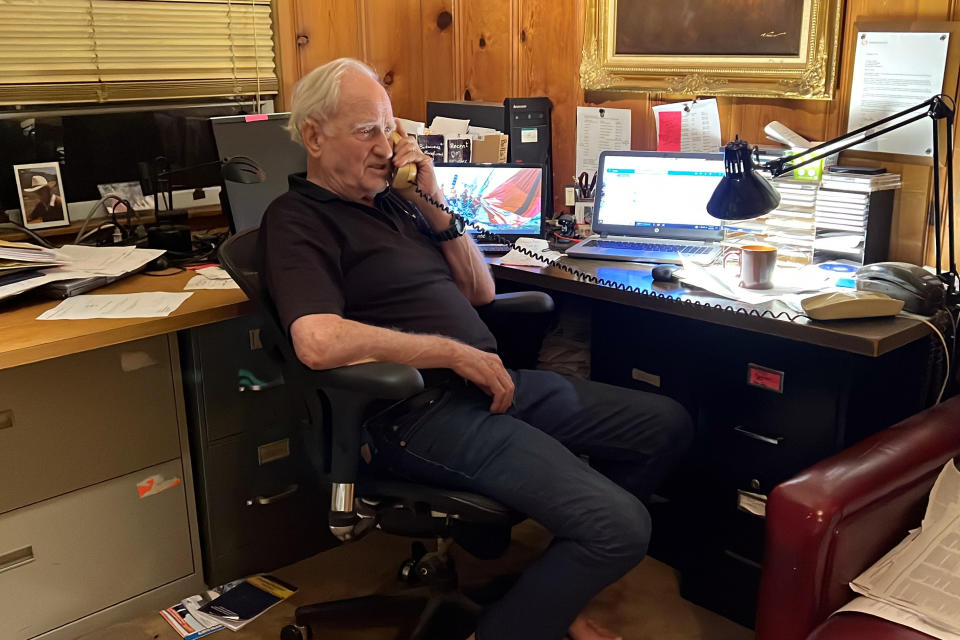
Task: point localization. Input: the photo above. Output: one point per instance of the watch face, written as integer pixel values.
(459, 224)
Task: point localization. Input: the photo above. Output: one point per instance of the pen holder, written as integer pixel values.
(583, 211)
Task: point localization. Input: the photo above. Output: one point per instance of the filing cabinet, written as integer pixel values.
(765, 408)
(261, 506)
(97, 516)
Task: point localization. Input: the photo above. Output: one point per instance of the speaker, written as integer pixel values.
(528, 125)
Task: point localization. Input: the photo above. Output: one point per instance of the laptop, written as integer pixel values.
(651, 206)
(505, 199)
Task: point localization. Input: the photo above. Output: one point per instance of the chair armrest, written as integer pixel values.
(519, 302)
(379, 380)
(832, 521)
(519, 322)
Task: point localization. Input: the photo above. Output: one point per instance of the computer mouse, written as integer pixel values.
(839, 305)
(666, 273)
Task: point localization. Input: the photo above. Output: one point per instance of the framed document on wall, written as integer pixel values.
(784, 49)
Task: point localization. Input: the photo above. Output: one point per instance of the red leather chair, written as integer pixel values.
(828, 524)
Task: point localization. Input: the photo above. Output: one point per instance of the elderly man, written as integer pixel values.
(359, 273)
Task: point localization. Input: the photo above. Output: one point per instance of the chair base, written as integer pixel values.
(443, 616)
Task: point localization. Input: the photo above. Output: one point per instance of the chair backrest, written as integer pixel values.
(239, 256)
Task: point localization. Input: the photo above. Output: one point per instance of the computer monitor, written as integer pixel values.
(505, 199)
(265, 140)
(656, 194)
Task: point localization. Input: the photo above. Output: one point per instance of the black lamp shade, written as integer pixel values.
(742, 193)
(242, 169)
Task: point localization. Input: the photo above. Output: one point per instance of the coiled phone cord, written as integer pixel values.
(588, 277)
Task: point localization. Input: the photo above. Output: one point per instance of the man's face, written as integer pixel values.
(350, 153)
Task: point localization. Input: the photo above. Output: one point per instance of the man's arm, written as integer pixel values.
(470, 271)
(327, 341)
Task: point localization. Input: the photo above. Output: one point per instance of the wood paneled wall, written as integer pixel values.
(493, 49)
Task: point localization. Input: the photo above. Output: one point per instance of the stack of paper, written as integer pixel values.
(918, 581)
(25, 252)
(104, 261)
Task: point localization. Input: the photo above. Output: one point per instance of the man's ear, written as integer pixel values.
(313, 137)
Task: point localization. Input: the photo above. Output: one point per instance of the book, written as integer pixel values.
(246, 600)
(185, 624)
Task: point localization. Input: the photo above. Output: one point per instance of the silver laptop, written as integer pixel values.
(651, 206)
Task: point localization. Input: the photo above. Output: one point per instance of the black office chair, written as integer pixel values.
(337, 402)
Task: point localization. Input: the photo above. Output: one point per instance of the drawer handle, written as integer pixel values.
(263, 500)
(6, 418)
(249, 382)
(16, 559)
(756, 436)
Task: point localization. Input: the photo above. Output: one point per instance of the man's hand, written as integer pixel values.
(407, 151)
(487, 372)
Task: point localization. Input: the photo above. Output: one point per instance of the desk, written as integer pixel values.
(89, 409)
(841, 381)
(865, 337)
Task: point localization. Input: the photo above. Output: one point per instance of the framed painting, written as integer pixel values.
(755, 48)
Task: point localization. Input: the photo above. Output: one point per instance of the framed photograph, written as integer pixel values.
(41, 195)
(754, 48)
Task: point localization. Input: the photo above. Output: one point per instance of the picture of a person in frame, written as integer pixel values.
(41, 196)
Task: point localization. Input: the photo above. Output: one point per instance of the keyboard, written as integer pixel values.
(684, 249)
(489, 247)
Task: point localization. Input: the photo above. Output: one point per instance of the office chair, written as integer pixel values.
(337, 402)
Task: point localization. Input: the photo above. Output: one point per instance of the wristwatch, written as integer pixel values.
(455, 230)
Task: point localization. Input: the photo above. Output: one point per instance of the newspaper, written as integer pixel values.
(921, 575)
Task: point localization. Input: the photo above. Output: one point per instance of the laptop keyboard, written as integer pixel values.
(684, 249)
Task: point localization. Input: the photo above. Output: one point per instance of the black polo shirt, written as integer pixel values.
(323, 254)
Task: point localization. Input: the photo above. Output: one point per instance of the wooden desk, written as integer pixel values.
(26, 339)
(871, 337)
(91, 410)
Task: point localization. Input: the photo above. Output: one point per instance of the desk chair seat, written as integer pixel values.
(337, 402)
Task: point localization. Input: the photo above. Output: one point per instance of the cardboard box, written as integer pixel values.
(491, 148)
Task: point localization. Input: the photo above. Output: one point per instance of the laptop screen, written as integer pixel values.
(502, 198)
(657, 194)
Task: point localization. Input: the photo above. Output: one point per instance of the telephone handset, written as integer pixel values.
(405, 176)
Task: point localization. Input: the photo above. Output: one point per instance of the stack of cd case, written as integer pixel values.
(853, 215)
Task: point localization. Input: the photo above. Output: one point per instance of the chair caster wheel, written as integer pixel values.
(295, 632)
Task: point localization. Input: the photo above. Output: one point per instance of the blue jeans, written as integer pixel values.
(529, 460)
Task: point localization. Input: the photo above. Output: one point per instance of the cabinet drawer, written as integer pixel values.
(260, 515)
(229, 357)
(78, 553)
(74, 421)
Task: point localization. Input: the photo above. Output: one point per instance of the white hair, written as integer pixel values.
(316, 94)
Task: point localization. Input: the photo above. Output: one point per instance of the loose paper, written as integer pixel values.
(600, 129)
(211, 278)
(155, 304)
(449, 127)
(536, 245)
(919, 575)
(893, 72)
(690, 127)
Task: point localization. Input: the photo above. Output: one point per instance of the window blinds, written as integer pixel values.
(69, 51)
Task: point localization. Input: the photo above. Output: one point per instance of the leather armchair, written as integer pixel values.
(338, 401)
(831, 522)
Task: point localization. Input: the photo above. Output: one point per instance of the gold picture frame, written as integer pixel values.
(751, 48)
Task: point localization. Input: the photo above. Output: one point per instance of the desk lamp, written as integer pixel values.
(176, 237)
(744, 194)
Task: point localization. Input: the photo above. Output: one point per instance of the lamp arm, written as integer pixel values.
(934, 108)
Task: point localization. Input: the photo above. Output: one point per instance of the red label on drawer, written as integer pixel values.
(764, 378)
